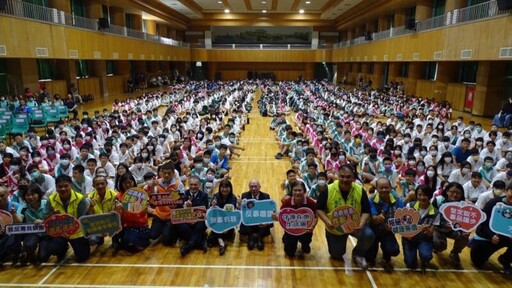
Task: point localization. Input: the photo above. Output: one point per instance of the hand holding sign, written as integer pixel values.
(462, 215)
(188, 215)
(345, 218)
(296, 221)
(101, 224)
(501, 219)
(135, 200)
(405, 222)
(61, 225)
(258, 212)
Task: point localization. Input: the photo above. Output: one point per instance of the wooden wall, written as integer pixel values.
(89, 85)
(282, 71)
(239, 55)
(115, 84)
(57, 87)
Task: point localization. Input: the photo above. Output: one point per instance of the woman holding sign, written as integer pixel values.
(224, 197)
(297, 201)
(494, 233)
(454, 192)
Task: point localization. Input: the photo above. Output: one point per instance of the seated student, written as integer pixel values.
(383, 206)
(291, 177)
(486, 242)
(199, 169)
(221, 161)
(310, 178)
(194, 233)
(473, 188)
(102, 200)
(453, 192)
(135, 234)
(462, 174)
(32, 211)
(408, 185)
(371, 165)
(488, 171)
(66, 201)
(161, 227)
(64, 167)
(9, 244)
(222, 198)
(286, 141)
(297, 200)
(81, 183)
(46, 181)
(421, 243)
(498, 190)
(139, 169)
(320, 187)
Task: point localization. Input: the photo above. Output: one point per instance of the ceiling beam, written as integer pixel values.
(274, 5)
(172, 20)
(329, 5)
(295, 5)
(368, 10)
(248, 5)
(227, 5)
(193, 7)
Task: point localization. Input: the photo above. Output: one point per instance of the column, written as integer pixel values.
(400, 17)
(162, 31)
(416, 71)
(117, 16)
(383, 23)
(136, 21)
(66, 70)
(423, 10)
(24, 73)
(99, 70)
(151, 27)
(378, 70)
(94, 9)
(489, 88)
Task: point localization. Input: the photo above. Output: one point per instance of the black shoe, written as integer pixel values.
(204, 246)
(24, 258)
(222, 249)
(306, 249)
(260, 245)
(251, 244)
(184, 250)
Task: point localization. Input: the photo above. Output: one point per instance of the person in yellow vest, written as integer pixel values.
(102, 200)
(346, 192)
(66, 201)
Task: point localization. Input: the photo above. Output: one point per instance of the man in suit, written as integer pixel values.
(194, 233)
(256, 233)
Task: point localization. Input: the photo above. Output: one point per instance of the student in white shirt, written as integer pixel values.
(473, 188)
(498, 190)
(461, 175)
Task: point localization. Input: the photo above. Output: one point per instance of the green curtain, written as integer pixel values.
(439, 7)
(3, 77)
(38, 2)
(77, 8)
(45, 69)
(111, 67)
(82, 68)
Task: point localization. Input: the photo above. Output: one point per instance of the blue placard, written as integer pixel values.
(101, 224)
(221, 220)
(501, 219)
(255, 212)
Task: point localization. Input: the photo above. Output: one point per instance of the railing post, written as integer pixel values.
(233, 46)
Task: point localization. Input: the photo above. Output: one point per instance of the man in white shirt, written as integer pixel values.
(81, 183)
(504, 144)
(45, 181)
(473, 188)
(498, 190)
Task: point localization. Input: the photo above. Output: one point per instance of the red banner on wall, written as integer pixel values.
(470, 97)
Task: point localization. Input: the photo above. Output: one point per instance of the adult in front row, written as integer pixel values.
(346, 192)
(486, 242)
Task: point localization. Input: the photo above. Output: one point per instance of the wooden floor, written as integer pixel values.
(160, 266)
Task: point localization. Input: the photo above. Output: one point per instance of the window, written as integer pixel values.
(82, 68)
(111, 67)
(129, 23)
(370, 68)
(43, 3)
(476, 2)
(46, 69)
(391, 21)
(411, 13)
(467, 72)
(78, 8)
(431, 71)
(438, 8)
(404, 69)
(105, 12)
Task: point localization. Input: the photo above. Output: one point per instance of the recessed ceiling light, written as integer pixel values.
(308, 2)
(301, 11)
(219, 2)
(264, 11)
(226, 11)
(263, 2)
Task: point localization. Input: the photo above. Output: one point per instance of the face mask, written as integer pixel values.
(322, 182)
(465, 170)
(423, 153)
(446, 144)
(420, 168)
(358, 141)
(380, 136)
(479, 129)
(87, 138)
(44, 142)
(35, 174)
(138, 165)
(206, 160)
(150, 148)
(149, 182)
(144, 155)
(398, 152)
(407, 139)
(64, 162)
(217, 143)
(173, 129)
(467, 135)
(479, 143)
(66, 146)
(388, 167)
(210, 177)
(51, 153)
(412, 163)
(198, 166)
(447, 159)
(232, 140)
(433, 153)
(497, 192)
(161, 141)
(488, 165)
(84, 126)
(37, 159)
(431, 173)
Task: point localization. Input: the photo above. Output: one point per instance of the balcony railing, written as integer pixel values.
(467, 14)
(22, 9)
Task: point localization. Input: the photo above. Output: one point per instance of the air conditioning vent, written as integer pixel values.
(73, 53)
(386, 58)
(416, 56)
(505, 52)
(365, 58)
(41, 52)
(399, 57)
(438, 55)
(152, 57)
(97, 54)
(130, 55)
(3, 50)
(466, 54)
(115, 55)
(142, 56)
(161, 57)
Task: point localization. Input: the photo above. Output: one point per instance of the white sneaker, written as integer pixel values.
(361, 262)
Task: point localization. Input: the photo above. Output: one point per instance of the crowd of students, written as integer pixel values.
(414, 157)
(406, 153)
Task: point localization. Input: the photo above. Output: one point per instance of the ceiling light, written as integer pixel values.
(263, 2)
(264, 11)
(308, 2)
(226, 11)
(301, 11)
(219, 2)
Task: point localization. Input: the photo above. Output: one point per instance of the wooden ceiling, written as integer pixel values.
(322, 15)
